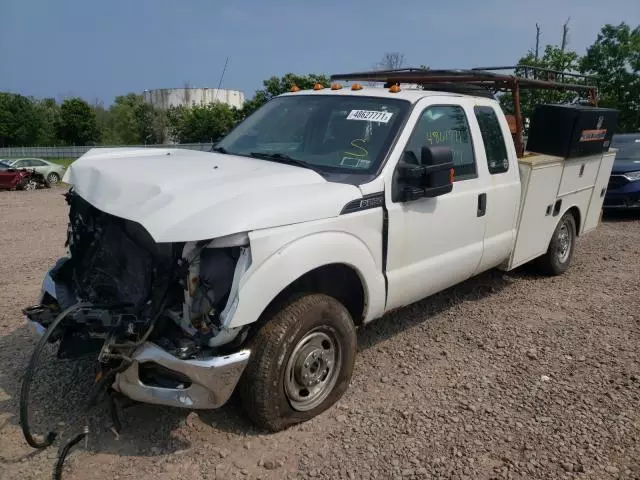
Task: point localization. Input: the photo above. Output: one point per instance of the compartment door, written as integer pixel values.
(592, 218)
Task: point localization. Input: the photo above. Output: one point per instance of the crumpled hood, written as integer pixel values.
(183, 195)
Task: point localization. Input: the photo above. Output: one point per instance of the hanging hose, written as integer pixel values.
(28, 377)
(57, 474)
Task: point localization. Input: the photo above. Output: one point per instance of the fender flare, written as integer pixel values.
(261, 285)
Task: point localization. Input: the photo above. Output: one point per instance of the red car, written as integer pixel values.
(22, 178)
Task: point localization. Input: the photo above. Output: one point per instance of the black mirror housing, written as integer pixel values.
(431, 178)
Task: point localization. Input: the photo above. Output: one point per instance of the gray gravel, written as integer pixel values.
(505, 376)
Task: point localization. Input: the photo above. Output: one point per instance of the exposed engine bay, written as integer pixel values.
(152, 313)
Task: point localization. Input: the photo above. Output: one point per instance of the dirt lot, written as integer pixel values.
(505, 376)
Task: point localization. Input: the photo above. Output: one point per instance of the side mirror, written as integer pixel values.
(431, 178)
(438, 162)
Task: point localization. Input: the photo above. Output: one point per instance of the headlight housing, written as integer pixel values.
(632, 176)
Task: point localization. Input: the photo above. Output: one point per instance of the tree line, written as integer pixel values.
(613, 58)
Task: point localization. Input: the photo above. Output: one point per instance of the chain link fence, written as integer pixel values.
(77, 151)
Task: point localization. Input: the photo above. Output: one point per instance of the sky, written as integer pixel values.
(100, 49)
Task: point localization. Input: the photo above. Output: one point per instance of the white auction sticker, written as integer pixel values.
(370, 116)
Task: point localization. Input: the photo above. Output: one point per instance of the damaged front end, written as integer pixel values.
(153, 313)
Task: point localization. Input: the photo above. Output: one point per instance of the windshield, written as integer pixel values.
(339, 133)
(628, 148)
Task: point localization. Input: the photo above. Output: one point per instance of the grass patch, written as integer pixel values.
(65, 162)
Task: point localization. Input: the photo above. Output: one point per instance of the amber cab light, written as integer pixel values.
(318, 86)
(336, 86)
(394, 88)
(295, 88)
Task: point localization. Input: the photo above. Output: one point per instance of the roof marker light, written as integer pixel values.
(336, 86)
(318, 86)
(356, 86)
(394, 88)
(295, 88)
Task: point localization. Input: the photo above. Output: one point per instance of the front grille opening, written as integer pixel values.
(155, 375)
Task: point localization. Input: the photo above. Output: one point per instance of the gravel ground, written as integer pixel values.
(505, 376)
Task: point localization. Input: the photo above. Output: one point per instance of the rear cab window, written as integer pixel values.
(493, 139)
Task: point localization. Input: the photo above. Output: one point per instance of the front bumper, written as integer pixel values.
(622, 194)
(212, 380)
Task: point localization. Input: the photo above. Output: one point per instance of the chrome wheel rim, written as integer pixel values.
(312, 370)
(564, 243)
(30, 186)
(52, 178)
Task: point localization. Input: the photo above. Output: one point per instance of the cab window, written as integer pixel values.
(494, 144)
(446, 125)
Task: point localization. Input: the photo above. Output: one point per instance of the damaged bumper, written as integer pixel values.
(202, 383)
(208, 383)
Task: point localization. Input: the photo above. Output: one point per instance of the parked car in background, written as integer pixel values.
(624, 184)
(52, 172)
(12, 178)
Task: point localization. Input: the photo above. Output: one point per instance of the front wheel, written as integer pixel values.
(301, 363)
(29, 185)
(558, 256)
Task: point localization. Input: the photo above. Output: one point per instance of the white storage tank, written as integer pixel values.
(163, 98)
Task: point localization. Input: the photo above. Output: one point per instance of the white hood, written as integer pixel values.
(183, 195)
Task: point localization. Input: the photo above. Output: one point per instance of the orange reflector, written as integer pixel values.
(318, 86)
(394, 88)
(98, 377)
(336, 86)
(356, 86)
(295, 88)
(451, 175)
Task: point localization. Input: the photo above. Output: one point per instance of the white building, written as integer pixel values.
(164, 98)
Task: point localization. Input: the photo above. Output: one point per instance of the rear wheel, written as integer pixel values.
(301, 362)
(53, 179)
(561, 246)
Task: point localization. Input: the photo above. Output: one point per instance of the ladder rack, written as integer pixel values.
(485, 81)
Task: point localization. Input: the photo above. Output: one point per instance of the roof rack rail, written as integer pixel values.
(485, 81)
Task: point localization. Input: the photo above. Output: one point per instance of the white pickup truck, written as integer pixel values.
(191, 273)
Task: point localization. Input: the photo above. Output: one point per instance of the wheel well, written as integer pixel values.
(336, 280)
(575, 211)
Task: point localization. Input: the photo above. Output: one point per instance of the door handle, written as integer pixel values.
(482, 204)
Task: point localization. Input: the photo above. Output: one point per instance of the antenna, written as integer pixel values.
(226, 62)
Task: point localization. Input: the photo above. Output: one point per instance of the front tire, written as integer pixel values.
(29, 185)
(558, 257)
(301, 362)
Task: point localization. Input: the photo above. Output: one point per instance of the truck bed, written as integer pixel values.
(551, 186)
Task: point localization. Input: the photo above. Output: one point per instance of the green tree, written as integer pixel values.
(77, 124)
(48, 113)
(19, 121)
(275, 86)
(200, 123)
(134, 120)
(615, 58)
(554, 58)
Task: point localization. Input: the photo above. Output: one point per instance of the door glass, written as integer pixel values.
(494, 145)
(446, 126)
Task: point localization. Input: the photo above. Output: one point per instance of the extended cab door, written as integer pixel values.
(434, 243)
(497, 159)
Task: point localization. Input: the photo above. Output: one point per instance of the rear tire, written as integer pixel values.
(558, 257)
(301, 362)
(52, 179)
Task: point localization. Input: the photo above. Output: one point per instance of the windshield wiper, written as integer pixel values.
(283, 158)
(219, 150)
